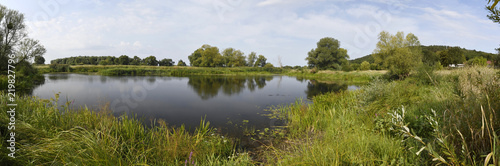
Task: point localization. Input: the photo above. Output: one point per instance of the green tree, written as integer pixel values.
(150, 61)
(123, 60)
(251, 59)
(399, 53)
(233, 57)
(181, 63)
(453, 55)
(493, 10)
(166, 62)
(429, 57)
(206, 56)
(39, 60)
(364, 65)
(261, 61)
(135, 61)
(477, 61)
(328, 54)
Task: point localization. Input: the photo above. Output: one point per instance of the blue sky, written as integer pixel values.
(286, 28)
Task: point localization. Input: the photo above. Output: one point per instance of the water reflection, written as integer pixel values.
(208, 87)
(315, 87)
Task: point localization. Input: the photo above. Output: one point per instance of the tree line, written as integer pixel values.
(210, 56)
(121, 60)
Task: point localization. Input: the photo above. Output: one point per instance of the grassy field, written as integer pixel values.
(451, 121)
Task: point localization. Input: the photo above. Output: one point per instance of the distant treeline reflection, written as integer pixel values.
(208, 86)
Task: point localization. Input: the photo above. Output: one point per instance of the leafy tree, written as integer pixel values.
(39, 60)
(268, 65)
(136, 61)
(429, 57)
(477, 61)
(493, 10)
(251, 59)
(453, 55)
(150, 61)
(328, 54)
(206, 56)
(233, 58)
(181, 63)
(364, 66)
(123, 60)
(166, 62)
(261, 61)
(399, 53)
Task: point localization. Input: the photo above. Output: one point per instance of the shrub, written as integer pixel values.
(59, 68)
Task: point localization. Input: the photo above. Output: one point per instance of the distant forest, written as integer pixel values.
(469, 54)
(111, 60)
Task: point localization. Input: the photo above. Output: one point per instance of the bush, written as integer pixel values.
(59, 68)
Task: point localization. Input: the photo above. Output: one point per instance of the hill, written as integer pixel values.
(469, 54)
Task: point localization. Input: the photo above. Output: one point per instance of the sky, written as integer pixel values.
(274, 28)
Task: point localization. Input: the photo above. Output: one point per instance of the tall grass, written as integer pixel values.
(48, 135)
(450, 120)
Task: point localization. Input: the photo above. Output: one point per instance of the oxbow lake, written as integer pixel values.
(229, 103)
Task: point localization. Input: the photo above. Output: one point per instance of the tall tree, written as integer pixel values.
(13, 39)
(123, 60)
(399, 53)
(135, 61)
(327, 54)
(150, 61)
(206, 56)
(453, 55)
(233, 57)
(261, 61)
(166, 62)
(251, 59)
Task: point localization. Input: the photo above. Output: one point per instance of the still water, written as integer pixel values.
(229, 103)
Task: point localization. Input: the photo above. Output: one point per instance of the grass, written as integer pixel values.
(361, 77)
(47, 134)
(451, 121)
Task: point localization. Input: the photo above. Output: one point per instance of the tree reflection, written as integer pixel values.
(209, 87)
(316, 88)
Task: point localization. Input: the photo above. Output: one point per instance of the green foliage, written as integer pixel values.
(453, 55)
(261, 61)
(123, 60)
(39, 60)
(181, 63)
(398, 53)
(150, 61)
(347, 67)
(59, 68)
(166, 62)
(55, 135)
(206, 56)
(328, 54)
(364, 66)
(135, 61)
(478, 61)
(429, 57)
(252, 57)
(233, 58)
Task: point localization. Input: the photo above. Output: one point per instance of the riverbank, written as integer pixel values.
(46, 134)
(450, 120)
(127, 70)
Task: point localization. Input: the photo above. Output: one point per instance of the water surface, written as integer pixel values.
(229, 103)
